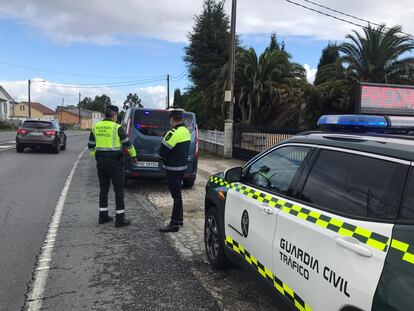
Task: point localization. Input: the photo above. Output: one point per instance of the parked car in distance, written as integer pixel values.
(38, 134)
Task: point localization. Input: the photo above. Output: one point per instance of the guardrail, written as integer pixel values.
(214, 137)
(212, 141)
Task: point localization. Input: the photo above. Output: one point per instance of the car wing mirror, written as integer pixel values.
(233, 174)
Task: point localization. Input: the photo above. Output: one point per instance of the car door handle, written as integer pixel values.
(267, 209)
(354, 245)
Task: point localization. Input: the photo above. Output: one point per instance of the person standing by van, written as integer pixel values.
(105, 142)
(174, 152)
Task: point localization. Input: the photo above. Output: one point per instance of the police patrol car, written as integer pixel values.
(325, 218)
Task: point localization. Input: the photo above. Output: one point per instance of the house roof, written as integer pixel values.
(2, 90)
(85, 113)
(41, 108)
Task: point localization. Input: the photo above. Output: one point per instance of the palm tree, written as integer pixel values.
(266, 85)
(376, 56)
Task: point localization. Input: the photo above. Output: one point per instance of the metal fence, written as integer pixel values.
(214, 137)
(248, 141)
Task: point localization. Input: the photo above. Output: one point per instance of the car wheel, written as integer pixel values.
(189, 182)
(19, 148)
(56, 148)
(214, 240)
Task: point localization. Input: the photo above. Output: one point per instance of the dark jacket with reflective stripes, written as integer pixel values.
(117, 152)
(175, 148)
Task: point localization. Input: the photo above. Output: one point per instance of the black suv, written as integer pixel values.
(37, 133)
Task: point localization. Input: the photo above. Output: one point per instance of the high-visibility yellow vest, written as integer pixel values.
(106, 136)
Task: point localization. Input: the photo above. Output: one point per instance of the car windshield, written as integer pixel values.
(157, 122)
(37, 125)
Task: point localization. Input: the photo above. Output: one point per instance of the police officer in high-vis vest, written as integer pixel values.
(106, 141)
(174, 153)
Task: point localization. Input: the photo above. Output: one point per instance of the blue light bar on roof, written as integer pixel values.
(360, 121)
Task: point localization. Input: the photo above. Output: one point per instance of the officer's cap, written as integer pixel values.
(112, 108)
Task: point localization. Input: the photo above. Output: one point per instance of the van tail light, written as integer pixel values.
(50, 133)
(22, 132)
(196, 146)
(128, 130)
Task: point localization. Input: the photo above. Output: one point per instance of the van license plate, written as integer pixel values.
(146, 164)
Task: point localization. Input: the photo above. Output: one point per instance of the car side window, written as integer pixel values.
(408, 205)
(276, 170)
(355, 185)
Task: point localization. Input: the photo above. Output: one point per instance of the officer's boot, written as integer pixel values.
(104, 218)
(121, 221)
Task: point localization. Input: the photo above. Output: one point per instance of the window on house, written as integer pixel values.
(5, 108)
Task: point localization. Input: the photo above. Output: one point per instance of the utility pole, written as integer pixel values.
(30, 105)
(229, 93)
(79, 108)
(168, 91)
(63, 102)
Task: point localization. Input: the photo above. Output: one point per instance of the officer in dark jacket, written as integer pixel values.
(174, 153)
(105, 143)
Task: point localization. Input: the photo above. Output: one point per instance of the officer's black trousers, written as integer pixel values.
(175, 180)
(111, 170)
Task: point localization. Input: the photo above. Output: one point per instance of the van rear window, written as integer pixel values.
(37, 125)
(157, 123)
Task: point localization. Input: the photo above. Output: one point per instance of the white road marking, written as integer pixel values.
(35, 296)
(4, 147)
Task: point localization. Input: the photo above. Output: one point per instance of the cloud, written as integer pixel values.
(51, 95)
(310, 73)
(105, 22)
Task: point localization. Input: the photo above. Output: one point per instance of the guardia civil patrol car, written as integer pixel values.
(326, 218)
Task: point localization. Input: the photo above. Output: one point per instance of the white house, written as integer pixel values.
(96, 117)
(6, 102)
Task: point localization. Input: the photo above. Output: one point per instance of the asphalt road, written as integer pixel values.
(30, 184)
(100, 267)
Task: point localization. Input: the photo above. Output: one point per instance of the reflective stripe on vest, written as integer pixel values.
(176, 136)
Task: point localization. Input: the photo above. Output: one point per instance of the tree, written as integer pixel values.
(267, 87)
(205, 57)
(329, 64)
(179, 99)
(86, 103)
(101, 102)
(132, 100)
(376, 55)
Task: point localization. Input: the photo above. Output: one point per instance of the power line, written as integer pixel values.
(159, 78)
(75, 86)
(180, 77)
(335, 17)
(65, 73)
(352, 16)
(326, 14)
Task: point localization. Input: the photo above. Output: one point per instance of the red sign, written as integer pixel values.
(387, 99)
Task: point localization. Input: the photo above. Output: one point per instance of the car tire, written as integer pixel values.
(189, 182)
(19, 148)
(56, 149)
(214, 240)
(63, 147)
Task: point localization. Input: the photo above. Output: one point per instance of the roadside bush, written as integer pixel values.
(4, 125)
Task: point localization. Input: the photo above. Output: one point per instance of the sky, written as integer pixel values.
(62, 44)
